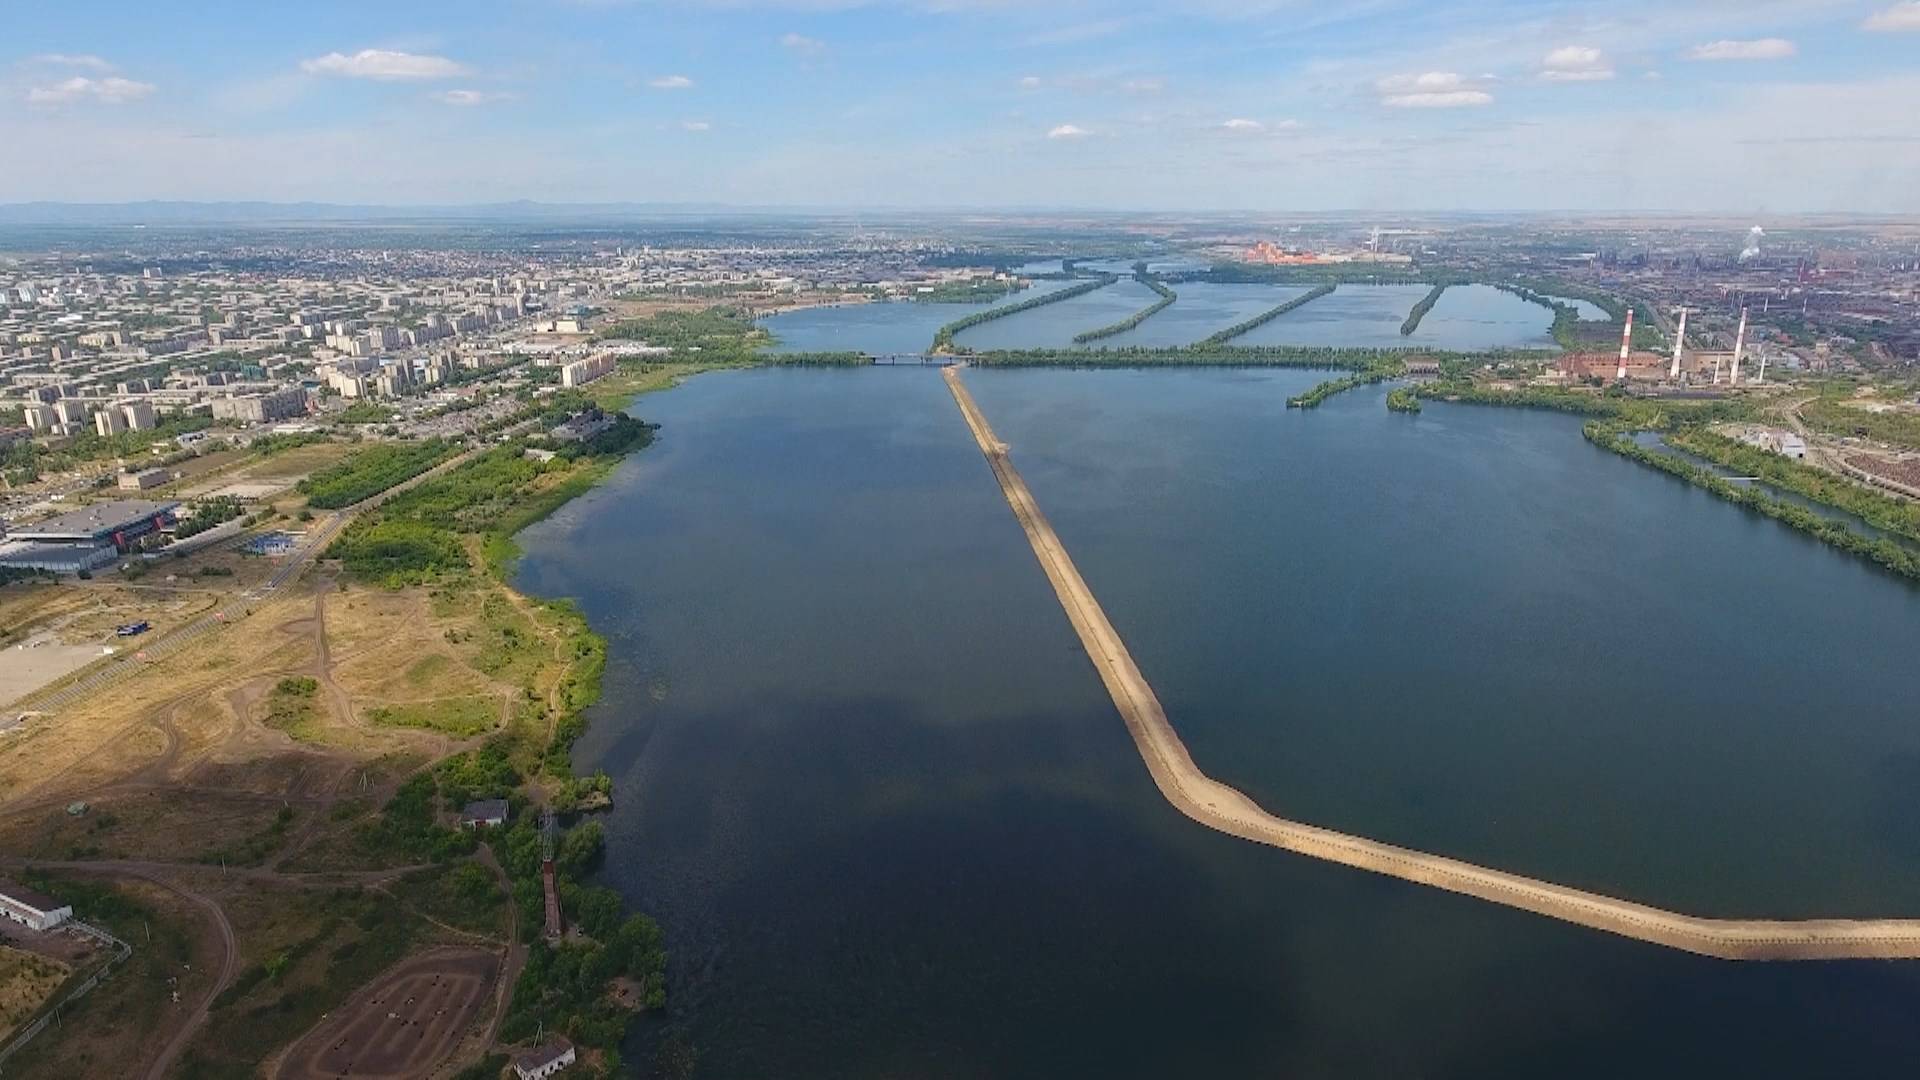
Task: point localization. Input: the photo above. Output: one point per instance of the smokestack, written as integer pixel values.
(1739, 347)
(1626, 343)
(1679, 340)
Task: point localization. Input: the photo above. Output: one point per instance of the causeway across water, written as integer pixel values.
(1218, 806)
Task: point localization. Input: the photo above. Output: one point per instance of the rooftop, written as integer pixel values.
(541, 1056)
(26, 897)
(96, 521)
(485, 810)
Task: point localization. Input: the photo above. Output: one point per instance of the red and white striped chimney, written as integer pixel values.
(1626, 343)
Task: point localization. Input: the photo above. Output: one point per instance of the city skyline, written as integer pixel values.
(1785, 106)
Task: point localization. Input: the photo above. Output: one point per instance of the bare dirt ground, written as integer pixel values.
(48, 631)
(403, 1024)
(214, 819)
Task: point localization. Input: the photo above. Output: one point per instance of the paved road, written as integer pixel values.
(1221, 807)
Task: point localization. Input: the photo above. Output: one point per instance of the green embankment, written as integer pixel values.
(1615, 415)
(1885, 552)
(1571, 332)
(1380, 371)
(1402, 399)
(1167, 296)
(1834, 417)
(1288, 356)
(943, 337)
(967, 292)
(1882, 511)
(1420, 310)
(371, 470)
(1267, 316)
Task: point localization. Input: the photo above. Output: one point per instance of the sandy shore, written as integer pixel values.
(1221, 807)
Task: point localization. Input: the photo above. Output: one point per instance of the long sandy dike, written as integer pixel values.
(1218, 806)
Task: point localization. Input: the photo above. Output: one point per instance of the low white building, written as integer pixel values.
(34, 910)
(544, 1061)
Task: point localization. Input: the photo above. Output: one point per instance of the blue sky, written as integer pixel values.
(1725, 105)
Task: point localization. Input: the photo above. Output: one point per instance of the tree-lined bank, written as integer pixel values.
(1267, 316)
(1167, 296)
(943, 337)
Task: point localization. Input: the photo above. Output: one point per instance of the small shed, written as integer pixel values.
(490, 813)
(542, 1061)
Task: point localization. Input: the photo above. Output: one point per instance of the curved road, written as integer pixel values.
(1221, 807)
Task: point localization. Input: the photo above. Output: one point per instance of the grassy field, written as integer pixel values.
(118, 1028)
(26, 982)
(291, 708)
(304, 951)
(450, 716)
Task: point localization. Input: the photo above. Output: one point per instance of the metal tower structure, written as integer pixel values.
(549, 884)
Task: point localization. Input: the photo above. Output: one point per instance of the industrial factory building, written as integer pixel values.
(86, 539)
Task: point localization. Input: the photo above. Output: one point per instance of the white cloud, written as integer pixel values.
(801, 43)
(111, 90)
(1068, 131)
(1030, 82)
(671, 82)
(1432, 90)
(695, 125)
(1899, 17)
(385, 65)
(1446, 99)
(84, 60)
(468, 97)
(1144, 86)
(1757, 49)
(1241, 123)
(1576, 63)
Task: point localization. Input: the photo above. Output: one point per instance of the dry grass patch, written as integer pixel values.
(26, 982)
(156, 825)
(118, 1028)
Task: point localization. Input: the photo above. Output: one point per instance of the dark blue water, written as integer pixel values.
(884, 807)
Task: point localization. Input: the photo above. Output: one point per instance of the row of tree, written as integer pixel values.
(1267, 316)
(1380, 371)
(1167, 296)
(943, 337)
(1420, 311)
(1291, 356)
(1889, 553)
